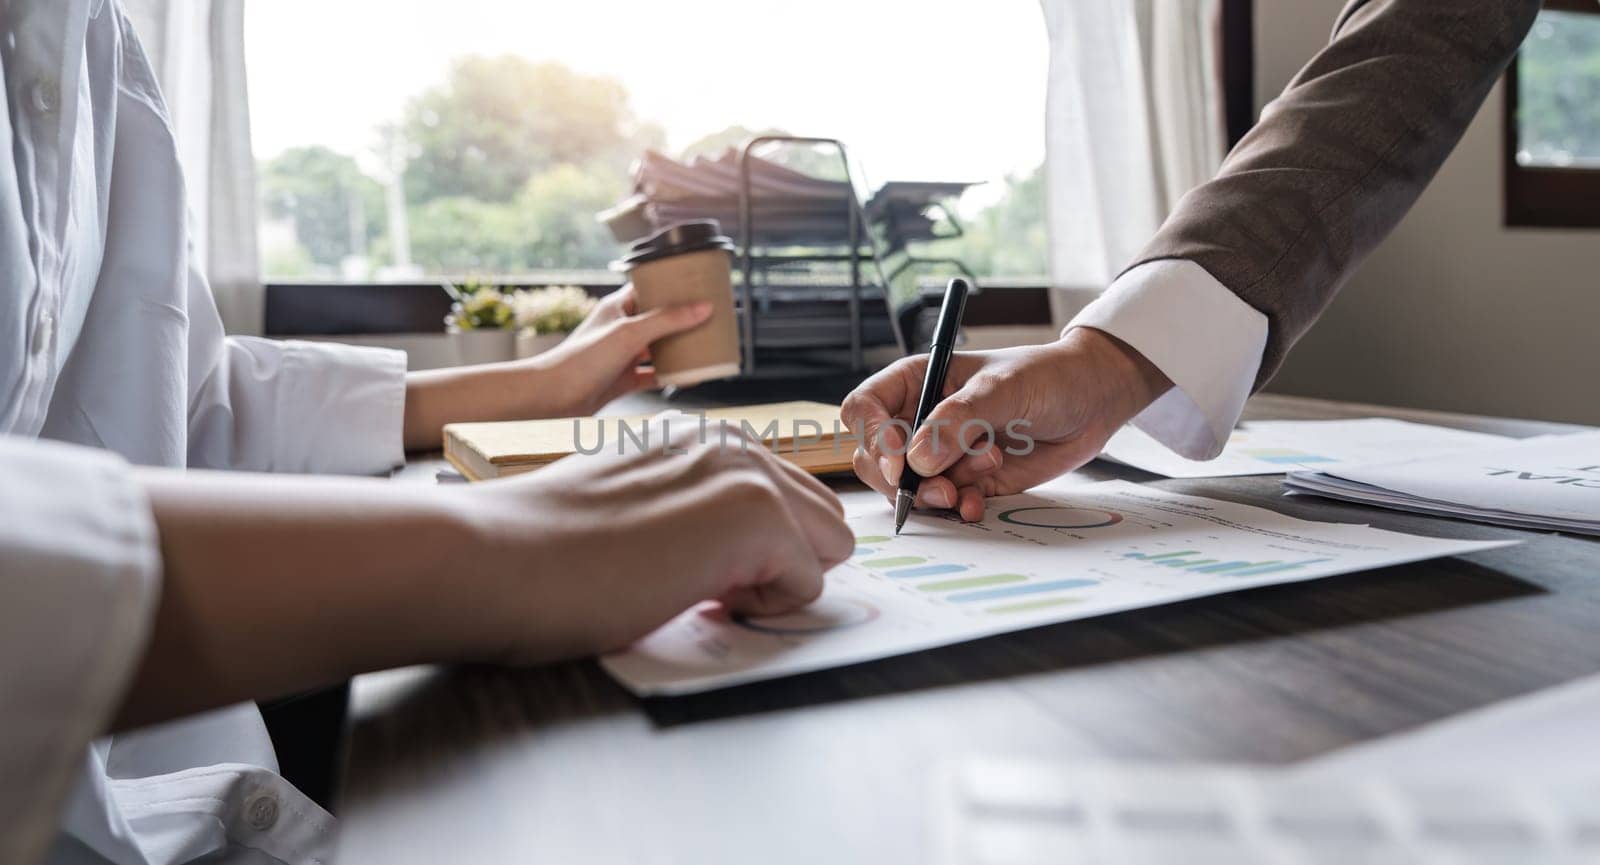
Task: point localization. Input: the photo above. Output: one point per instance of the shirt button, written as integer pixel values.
(261, 811)
(44, 96)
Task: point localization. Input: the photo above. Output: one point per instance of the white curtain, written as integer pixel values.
(1134, 119)
(197, 48)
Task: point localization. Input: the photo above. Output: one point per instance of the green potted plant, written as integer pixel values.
(544, 316)
(481, 324)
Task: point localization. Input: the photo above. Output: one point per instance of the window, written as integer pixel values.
(402, 139)
(1553, 120)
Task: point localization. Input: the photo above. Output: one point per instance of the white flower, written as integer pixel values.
(557, 309)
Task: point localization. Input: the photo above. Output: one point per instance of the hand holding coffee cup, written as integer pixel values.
(685, 263)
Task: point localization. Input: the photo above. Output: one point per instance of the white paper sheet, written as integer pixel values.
(1010, 811)
(1068, 552)
(1548, 482)
(1273, 447)
(1554, 733)
(1517, 781)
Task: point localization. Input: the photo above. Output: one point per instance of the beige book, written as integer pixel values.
(803, 433)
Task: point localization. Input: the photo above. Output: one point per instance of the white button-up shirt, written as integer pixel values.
(1200, 334)
(111, 352)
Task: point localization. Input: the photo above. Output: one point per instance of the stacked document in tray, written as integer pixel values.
(785, 203)
(1549, 483)
(787, 206)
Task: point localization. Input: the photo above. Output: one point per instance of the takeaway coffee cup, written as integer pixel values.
(684, 263)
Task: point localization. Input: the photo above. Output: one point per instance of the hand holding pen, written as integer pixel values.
(1014, 417)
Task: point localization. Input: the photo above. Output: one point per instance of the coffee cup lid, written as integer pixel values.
(676, 239)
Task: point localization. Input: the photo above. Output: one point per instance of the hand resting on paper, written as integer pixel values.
(593, 552)
(346, 575)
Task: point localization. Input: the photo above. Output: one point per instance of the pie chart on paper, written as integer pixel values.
(1061, 518)
(827, 614)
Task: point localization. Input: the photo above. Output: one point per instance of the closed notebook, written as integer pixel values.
(803, 433)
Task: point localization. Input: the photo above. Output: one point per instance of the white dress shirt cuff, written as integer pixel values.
(340, 408)
(79, 582)
(220, 809)
(1197, 332)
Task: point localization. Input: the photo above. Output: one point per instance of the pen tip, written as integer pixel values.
(902, 509)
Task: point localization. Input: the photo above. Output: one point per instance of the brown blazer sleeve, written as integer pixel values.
(1342, 154)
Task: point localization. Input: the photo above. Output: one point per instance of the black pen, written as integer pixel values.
(944, 343)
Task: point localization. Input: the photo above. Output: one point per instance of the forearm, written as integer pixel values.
(595, 364)
(1340, 156)
(273, 585)
(435, 397)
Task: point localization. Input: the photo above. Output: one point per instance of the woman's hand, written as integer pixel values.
(603, 359)
(615, 306)
(594, 552)
(597, 363)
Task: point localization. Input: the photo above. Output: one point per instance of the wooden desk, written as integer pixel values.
(560, 765)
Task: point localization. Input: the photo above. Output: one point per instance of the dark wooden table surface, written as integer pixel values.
(560, 765)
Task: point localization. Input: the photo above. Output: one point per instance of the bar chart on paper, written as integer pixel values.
(1185, 560)
(964, 583)
(1089, 550)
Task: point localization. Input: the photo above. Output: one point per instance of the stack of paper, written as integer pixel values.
(785, 203)
(1549, 483)
(803, 433)
(1272, 447)
(787, 206)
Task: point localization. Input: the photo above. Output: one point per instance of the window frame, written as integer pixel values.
(344, 308)
(327, 309)
(1546, 196)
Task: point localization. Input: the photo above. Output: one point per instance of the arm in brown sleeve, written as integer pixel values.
(1342, 154)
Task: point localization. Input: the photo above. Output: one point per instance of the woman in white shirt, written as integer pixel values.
(132, 594)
